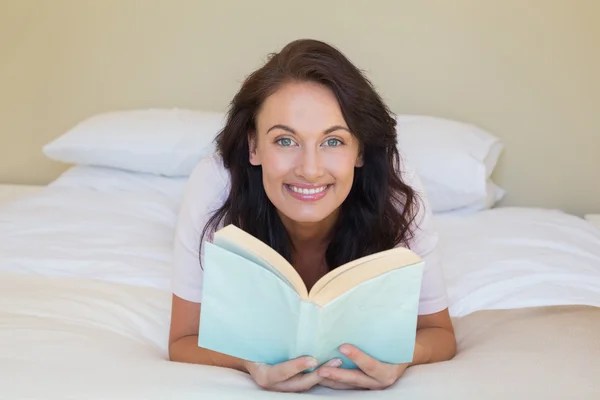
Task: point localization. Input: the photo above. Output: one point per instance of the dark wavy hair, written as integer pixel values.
(380, 208)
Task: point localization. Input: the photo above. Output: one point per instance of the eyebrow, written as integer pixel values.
(325, 132)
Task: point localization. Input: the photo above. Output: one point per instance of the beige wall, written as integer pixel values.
(526, 70)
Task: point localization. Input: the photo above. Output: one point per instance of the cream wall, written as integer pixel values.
(526, 70)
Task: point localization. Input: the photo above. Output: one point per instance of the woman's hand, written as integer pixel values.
(289, 376)
(372, 374)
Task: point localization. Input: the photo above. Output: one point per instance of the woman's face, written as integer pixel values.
(306, 152)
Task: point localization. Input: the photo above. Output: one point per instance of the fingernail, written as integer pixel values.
(334, 363)
(311, 363)
(344, 350)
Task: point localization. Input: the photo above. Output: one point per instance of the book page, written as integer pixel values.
(247, 311)
(378, 316)
(352, 274)
(245, 245)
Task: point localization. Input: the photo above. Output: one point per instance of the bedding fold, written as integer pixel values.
(83, 338)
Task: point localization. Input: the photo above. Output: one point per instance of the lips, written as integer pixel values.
(308, 193)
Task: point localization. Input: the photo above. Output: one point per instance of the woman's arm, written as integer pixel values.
(183, 338)
(435, 338)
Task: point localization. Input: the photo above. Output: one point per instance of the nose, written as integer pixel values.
(310, 165)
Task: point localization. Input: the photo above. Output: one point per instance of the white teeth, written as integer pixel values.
(307, 191)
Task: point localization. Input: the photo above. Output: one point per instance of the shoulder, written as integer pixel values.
(208, 185)
(206, 190)
(424, 243)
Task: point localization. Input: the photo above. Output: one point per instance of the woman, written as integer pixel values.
(308, 163)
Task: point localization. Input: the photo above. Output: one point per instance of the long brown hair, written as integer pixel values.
(380, 208)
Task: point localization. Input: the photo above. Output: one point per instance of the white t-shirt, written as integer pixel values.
(208, 188)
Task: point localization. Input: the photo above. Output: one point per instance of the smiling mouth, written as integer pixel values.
(299, 190)
(308, 194)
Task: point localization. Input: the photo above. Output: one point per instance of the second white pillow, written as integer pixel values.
(453, 159)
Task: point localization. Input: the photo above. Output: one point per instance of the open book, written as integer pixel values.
(255, 306)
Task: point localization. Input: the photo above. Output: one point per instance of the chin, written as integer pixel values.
(306, 217)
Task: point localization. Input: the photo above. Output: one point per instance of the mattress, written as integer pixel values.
(85, 283)
(90, 339)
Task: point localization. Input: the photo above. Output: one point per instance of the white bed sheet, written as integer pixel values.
(77, 338)
(85, 278)
(104, 179)
(118, 236)
(499, 258)
(519, 257)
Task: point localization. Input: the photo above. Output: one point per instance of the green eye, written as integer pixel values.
(285, 142)
(333, 142)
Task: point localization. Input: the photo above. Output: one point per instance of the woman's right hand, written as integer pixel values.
(288, 376)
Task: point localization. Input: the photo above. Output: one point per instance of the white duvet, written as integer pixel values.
(115, 236)
(85, 277)
(508, 258)
(500, 258)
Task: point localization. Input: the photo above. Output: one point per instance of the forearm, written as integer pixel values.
(434, 345)
(186, 350)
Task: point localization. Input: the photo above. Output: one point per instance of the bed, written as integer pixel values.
(85, 283)
(85, 301)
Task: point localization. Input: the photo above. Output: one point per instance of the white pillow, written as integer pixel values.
(167, 142)
(494, 194)
(453, 159)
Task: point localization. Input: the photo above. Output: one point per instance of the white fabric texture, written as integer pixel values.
(494, 194)
(126, 236)
(105, 179)
(90, 339)
(85, 283)
(455, 160)
(167, 142)
(111, 235)
(519, 257)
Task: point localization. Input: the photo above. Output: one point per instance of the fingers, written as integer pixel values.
(286, 370)
(355, 378)
(302, 382)
(337, 385)
(367, 364)
(289, 377)
(384, 373)
(298, 383)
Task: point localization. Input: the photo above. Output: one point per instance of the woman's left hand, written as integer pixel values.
(371, 373)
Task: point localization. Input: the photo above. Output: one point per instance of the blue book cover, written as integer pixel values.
(256, 307)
